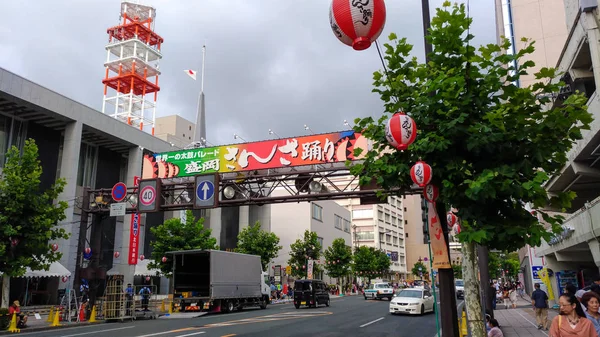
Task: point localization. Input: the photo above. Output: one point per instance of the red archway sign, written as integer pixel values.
(119, 192)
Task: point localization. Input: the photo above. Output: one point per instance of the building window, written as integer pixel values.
(12, 133)
(338, 221)
(190, 128)
(365, 236)
(88, 160)
(317, 212)
(346, 226)
(380, 215)
(320, 241)
(362, 213)
(406, 222)
(387, 217)
(395, 240)
(184, 135)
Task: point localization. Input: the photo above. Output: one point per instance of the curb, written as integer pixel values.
(48, 328)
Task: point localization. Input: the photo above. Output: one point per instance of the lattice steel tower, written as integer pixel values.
(132, 63)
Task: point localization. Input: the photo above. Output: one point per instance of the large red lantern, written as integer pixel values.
(117, 254)
(421, 173)
(164, 259)
(357, 23)
(65, 279)
(54, 247)
(142, 257)
(452, 219)
(431, 193)
(88, 250)
(400, 131)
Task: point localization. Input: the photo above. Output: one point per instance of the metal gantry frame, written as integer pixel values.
(256, 189)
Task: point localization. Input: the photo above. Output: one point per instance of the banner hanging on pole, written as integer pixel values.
(436, 237)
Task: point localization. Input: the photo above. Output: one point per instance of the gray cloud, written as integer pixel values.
(270, 63)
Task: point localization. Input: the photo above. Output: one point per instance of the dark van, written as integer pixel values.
(310, 293)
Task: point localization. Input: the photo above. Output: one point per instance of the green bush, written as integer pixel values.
(4, 319)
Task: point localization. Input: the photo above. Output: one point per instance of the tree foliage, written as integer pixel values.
(370, 262)
(490, 143)
(419, 269)
(500, 262)
(457, 269)
(175, 235)
(338, 258)
(494, 265)
(255, 241)
(28, 215)
(301, 251)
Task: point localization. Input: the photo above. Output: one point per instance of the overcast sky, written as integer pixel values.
(270, 63)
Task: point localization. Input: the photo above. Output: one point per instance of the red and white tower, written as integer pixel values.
(132, 57)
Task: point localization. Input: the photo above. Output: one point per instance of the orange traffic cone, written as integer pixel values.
(82, 313)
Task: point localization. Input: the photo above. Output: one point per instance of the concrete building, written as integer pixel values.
(416, 243)
(326, 218)
(175, 130)
(86, 148)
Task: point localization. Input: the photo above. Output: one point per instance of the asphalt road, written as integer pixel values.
(347, 316)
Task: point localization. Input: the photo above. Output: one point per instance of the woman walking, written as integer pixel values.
(571, 322)
(512, 295)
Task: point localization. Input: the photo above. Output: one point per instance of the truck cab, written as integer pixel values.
(265, 288)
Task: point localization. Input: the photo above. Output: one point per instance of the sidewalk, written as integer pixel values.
(37, 325)
(520, 322)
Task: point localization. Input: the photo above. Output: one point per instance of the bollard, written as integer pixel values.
(56, 321)
(162, 306)
(50, 315)
(13, 324)
(170, 308)
(93, 315)
(463, 327)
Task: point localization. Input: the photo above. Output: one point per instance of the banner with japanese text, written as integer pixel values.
(437, 240)
(134, 238)
(270, 154)
(309, 270)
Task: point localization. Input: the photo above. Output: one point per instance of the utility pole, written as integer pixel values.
(445, 276)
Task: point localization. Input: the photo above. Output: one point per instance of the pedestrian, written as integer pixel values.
(15, 309)
(512, 296)
(571, 321)
(591, 301)
(492, 293)
(539, 300)
(596, 282)
(129, 292)
(494, 329)
(145, 292)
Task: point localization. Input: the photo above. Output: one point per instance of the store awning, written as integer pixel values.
(56, 270)
(141, 269)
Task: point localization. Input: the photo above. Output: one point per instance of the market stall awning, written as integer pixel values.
(141, 269)
(56, 270)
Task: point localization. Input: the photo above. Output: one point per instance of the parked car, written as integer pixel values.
(311, 293)
(379, 291)
(412, 301)
(460, 288)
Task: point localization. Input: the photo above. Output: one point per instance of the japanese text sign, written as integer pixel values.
(437, 239)
(307, 150)
(134, 238)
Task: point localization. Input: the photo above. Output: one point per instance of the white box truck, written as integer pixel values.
(218, 281)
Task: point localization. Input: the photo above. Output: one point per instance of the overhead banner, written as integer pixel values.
(436, 237)
(270, 154)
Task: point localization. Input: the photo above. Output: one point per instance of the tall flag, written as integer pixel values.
(191, 73)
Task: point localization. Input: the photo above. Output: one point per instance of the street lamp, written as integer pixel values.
(236, 136)
(307, 128)
(271, 132)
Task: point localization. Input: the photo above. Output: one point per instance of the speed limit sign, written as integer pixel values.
(147, 195)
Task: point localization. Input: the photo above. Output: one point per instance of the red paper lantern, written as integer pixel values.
(420, 173)
(148, 278)
(54, 247)
(65, 279)
(117, 254)
(357, 23)
(431, 193)
(141, 257)
(164, 259)
(456, 229)
(88, 250)
(451, 218)
(400, 131)
(14, 242)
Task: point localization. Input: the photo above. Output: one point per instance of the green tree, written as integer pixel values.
(494, 266)
(419, 269)
(338, 259)
(382, 263)
(255, 241)
(491, 144)
(511, 265)
(175, 235)
(301, 251)
(363, 259)
(457, 271)
(28, 216)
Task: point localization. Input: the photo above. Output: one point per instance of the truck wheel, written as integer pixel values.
(263, 304)
(297, 306)
(229, 306)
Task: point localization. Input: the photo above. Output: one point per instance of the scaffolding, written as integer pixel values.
(132, 67)
(118, 304)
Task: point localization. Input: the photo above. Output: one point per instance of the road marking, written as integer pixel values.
(229, 335)
(99, 331)
(192, 334)
(168, 332)
(530, 322)
(268, 318)
(371, 322)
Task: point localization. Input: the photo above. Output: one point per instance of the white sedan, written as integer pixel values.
(412, 301)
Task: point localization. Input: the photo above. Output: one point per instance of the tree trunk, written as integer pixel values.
(5, 291)
(484, 275)
(472, 293)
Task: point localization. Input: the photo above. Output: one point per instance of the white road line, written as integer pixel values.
(98, 331)
(192, 334)
(165, 332)
(525, 318)
(377, 320)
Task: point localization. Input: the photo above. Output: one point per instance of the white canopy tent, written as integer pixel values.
(56, 269)
(141, 269)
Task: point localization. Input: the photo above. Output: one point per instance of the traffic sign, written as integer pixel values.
(149, 197)
(119, 191)
(207, 191)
